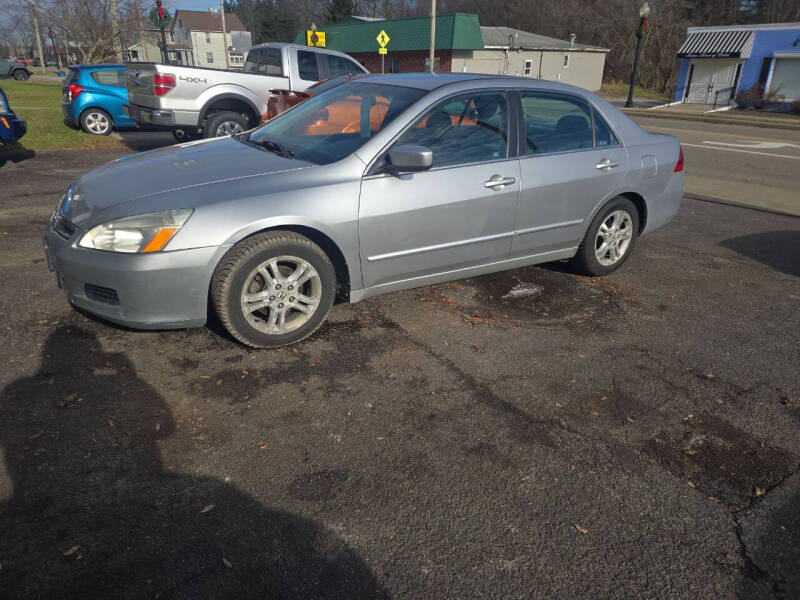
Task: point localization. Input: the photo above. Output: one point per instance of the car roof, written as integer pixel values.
(432, 81)
(96, 66)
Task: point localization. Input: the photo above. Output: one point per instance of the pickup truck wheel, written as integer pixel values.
(96, 121)
(21, 74)
(273, 289)
(225, 123)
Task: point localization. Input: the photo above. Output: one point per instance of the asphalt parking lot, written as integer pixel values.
(627, 437)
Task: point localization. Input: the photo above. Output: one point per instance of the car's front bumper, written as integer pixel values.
(162, 290)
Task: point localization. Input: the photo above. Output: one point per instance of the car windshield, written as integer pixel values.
(4, 103)
(336, 123)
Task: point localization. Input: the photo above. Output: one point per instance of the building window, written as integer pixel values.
(208, 38)
(170, 37)
(435, 65)
(210, 58)
(528, 68)
(392, 65)
(236, 60)
(566, 61)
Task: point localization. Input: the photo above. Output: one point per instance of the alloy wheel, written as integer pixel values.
(97, 123)
(229, 128)
(613, 238)
(281, 295)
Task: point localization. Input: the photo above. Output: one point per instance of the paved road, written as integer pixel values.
(627, 437)
(743, 164)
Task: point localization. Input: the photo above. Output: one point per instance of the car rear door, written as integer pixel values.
(570, 161)
(458, 214)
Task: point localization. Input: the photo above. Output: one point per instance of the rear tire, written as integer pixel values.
(273, 289)
(225, 123)
(21, 74)
(96, 121)
(609, 240)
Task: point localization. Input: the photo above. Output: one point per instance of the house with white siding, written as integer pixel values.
(196, 39)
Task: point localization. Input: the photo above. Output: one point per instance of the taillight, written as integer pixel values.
(679, 164)
(73, 89)
(163, 83)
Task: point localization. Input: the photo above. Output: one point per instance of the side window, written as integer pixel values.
(115, 78)
(466, 129)
(251, 65)
(339, 66)
(603, 136)
(555, 123)
(271, 62)
(307, 65)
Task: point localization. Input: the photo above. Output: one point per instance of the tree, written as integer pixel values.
(157, 22)
(338, 10)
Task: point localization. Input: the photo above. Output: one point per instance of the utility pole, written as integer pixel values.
(224, 33)
(115, 33)
(38, 35)
(141, 30)
(433, 34)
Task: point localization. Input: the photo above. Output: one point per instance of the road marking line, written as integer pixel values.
(744, 151)
(708, 133)
(754, 145)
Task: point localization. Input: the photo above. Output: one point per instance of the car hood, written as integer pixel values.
(168, 169)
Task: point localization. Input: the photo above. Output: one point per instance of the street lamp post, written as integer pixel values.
(161, 21)
(644, 13)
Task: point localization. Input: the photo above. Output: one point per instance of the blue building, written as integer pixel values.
(717, 62)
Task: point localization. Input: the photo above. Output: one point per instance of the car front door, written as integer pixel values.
(456, 215)
(571, 160)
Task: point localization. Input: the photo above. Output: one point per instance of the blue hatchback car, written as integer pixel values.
(93, 96)
(12, 127)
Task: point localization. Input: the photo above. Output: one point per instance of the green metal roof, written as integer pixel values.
(458, 31)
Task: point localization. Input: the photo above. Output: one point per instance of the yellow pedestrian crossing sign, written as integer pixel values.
(383, 38)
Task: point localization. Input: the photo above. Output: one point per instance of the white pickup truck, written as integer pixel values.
(200, 102)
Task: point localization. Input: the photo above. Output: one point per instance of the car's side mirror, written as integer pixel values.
(409, 158)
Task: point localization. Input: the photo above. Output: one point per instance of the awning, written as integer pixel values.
(718, 44)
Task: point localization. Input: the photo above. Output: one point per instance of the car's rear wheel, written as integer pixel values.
(21, 74)
(225, 123)
(96, 121)
(610, 238)
(273, 289)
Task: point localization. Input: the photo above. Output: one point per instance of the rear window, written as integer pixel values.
(105, 77)
(72, 75)
(264, 61)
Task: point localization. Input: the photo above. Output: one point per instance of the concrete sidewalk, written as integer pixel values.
(697, 112)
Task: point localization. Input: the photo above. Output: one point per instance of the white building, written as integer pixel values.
(196, 39)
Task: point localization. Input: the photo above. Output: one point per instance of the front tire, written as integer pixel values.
(609, 240)
(96, 121)
(21, 74)
(225, 123)
(273, 289)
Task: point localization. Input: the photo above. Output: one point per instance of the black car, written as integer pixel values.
(12, 68)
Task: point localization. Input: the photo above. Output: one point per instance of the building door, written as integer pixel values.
(710, 76)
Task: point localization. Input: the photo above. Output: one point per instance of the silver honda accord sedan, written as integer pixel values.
(380, 184)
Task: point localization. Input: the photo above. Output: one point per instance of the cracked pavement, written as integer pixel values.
(634, 436)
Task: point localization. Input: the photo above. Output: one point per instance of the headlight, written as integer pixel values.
(141, 233)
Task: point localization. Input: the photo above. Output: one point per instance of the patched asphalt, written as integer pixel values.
(633, 436)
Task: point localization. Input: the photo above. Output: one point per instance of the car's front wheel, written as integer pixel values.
(21, 74)
(273, 289)
(96, 121)
(609, 239)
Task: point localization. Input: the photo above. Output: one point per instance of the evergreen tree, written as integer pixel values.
(339, 10)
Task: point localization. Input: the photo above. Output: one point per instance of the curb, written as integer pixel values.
(711, 200)
(639, 112)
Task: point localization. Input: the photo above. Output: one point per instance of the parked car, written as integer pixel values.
(12, 127)
(281, 100)
(12, 68)
(200, 102)
(92, 97)
(442, 177)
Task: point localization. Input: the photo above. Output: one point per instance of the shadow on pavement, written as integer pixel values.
(15, 153)
(777, 249)
(143, 140)
(94, 515)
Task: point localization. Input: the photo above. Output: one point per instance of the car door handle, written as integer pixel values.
(498, 182)
(606, 164)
